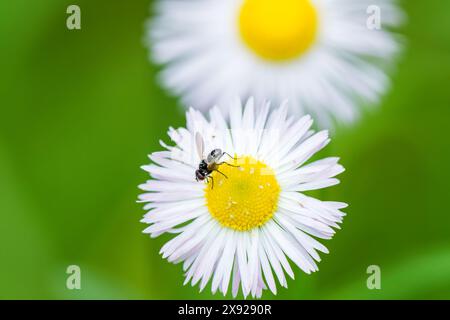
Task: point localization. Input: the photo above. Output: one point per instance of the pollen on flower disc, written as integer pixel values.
(245, 199)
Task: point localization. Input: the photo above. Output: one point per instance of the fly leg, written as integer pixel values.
(231, 165)
(212, 181)
(224, 162)
(228, 164)
(221, 173)
(229, 155)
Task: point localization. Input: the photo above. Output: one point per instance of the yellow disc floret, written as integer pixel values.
(245, 199)
(278, 30)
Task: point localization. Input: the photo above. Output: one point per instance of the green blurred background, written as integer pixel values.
(80, 110)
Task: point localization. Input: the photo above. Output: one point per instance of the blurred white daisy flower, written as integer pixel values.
(319, 54)
(251, 217)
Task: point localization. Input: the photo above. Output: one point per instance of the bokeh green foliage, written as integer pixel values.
(81, 109)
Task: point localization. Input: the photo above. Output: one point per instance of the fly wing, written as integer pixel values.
(214, 156)
(200, 144)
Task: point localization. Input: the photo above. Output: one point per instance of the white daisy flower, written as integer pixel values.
(251, 217)
(308, 51)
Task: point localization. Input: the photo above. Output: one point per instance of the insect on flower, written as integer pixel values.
(246, 232)
(210, 163)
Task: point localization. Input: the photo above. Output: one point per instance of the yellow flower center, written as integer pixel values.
(245, 199)
(278, 30)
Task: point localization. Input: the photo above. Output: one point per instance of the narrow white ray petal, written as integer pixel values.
(260, 122)
(253, 265)
(236, 278)
(236, 125)
(311, 168)
(290, 139)
(304, 151)
(162, 173)
(212, 256)
(336, 205)
(169, 160)
(223, 131)
(293, 252)
(304, 221)
(170, 196)
(274, 262)
(173, 222)
(194, 272)
(179, 245)
(279, 254)
(242, 262)
(267, 270)
(222, 273)
(299, 236)
(315, 185)
(167, 210)
(248, 130)
(316, 206)
(170, 186)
